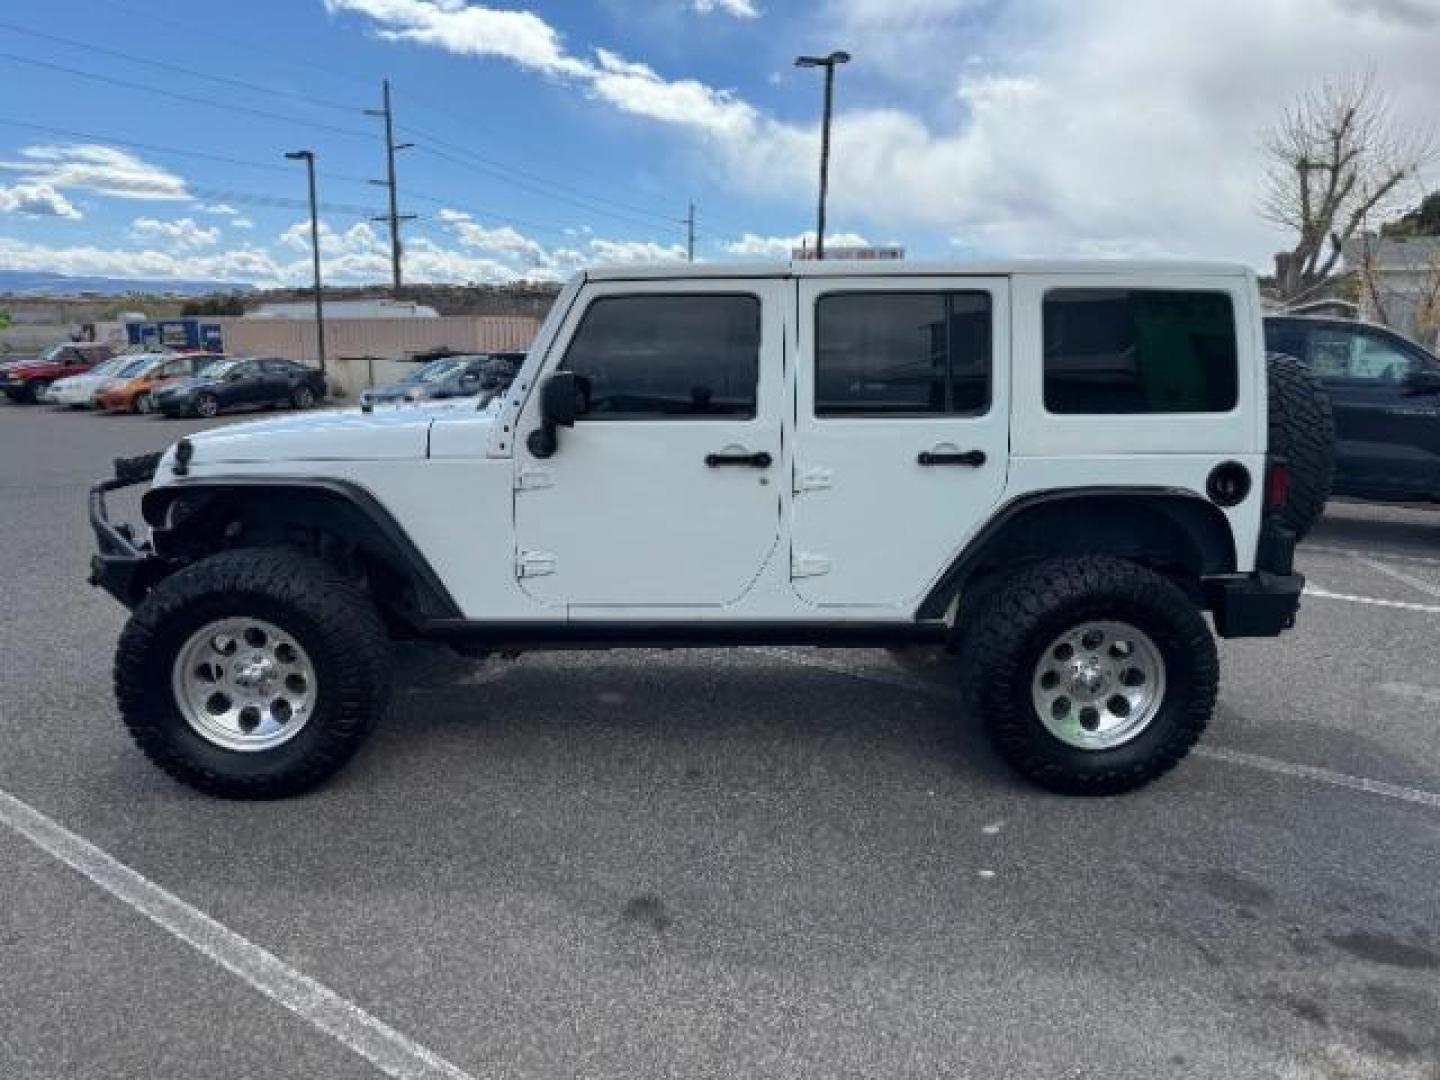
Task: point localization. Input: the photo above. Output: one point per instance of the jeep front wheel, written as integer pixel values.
(253, 673)
(1092, 675)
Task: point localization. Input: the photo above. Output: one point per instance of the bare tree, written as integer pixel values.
(1337, 156)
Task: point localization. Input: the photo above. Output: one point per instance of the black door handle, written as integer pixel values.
(759, 460)
(973, 458)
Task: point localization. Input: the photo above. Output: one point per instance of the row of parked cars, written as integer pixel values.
(143, 380)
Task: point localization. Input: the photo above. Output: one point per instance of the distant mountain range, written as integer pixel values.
(32, 283)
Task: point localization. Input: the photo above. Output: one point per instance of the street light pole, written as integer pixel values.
(829, 63)
(308, 156)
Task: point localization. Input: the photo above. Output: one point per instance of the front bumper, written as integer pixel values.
(124, 565)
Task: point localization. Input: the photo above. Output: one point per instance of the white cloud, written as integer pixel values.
(781, 247)
(241, 223)
(103, 169)
(218, 209)
(740, 9)
(635, 251)
(37, 200)
(181, 233)
(1108, 126)
(243, 265)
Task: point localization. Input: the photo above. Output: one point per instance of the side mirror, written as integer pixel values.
(1423, 381)
(564, 396)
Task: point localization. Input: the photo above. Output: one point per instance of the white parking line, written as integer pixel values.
(1410, 690)
(1418, 584)
(394, 1054)
(1373, 601)
(1398, 792)
(1352, 553)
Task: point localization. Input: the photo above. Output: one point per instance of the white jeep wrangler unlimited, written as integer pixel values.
(1052, 470)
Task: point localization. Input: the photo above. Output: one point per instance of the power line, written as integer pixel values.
(157, 148)
(584, 199)
(189, 98)
(161, 65)
(538, 184)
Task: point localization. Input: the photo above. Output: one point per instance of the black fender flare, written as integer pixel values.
(340, 506)
(1089, 521)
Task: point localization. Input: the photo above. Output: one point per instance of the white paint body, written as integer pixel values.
(626, 522)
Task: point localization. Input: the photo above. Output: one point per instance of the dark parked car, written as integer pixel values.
(1386, 394)
(241, 383)
(465, 375)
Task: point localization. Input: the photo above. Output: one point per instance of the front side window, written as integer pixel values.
(669, 357)
(902, 354)
(1139, 351)
(1342, 353)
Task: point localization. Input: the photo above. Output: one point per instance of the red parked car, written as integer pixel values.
(29, 379)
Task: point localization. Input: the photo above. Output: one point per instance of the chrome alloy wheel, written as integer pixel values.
(244, 684)
(1098, 685)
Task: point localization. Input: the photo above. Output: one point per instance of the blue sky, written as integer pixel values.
(551, 135)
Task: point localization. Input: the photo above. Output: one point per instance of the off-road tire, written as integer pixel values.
(329, 616)
(1302, 430)
(1029, 609)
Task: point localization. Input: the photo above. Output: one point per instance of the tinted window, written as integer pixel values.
(660, 357)
(1341, 353)
(1139, 351)
(1285, 337)
(278, 367)
(902, 354)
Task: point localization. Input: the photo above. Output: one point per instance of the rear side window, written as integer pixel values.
(1139, 351)
(902, 354)
(669, 357)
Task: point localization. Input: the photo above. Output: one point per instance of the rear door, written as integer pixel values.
(902, 414)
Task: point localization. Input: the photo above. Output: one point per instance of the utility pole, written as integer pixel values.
(690, 234)
(308, 156)
(829, 63)
(394, 217)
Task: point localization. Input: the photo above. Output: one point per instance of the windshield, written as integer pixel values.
(134, 367)
(434, 371)
(109, 367)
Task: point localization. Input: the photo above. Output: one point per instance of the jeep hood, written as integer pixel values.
(335, 435)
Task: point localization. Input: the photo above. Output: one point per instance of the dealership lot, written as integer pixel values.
(769, 862)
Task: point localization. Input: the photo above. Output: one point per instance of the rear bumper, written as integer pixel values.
(123, 565)
(1263, 603)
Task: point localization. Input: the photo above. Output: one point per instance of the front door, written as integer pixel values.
(1385, 433)
(666, 492)
(902, 420)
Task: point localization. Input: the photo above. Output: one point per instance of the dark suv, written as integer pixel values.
(1386, 393)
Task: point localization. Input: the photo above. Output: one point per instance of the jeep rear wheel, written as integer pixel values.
(1092, 675)
(253, 673)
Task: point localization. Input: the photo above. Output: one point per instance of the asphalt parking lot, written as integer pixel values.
(756, 863)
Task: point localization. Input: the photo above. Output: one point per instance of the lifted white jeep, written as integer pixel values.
(1050, 470)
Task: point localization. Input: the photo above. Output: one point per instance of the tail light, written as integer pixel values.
(1277, 485)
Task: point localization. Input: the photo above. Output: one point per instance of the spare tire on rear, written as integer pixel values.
(1302, 431)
